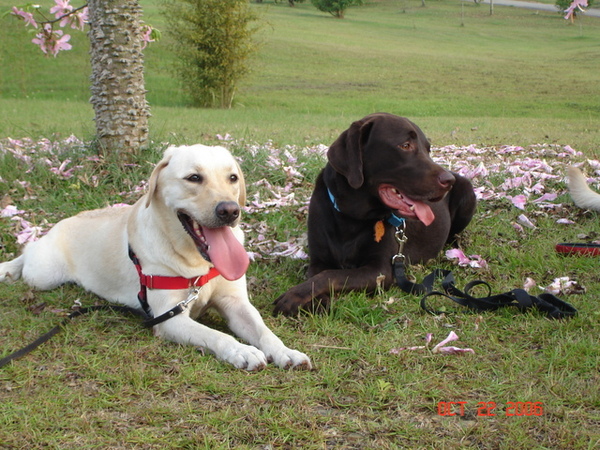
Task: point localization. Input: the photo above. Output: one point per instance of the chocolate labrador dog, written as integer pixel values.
(379, 173)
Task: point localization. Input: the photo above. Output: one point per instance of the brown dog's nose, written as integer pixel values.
(446, 179)
(227, 212)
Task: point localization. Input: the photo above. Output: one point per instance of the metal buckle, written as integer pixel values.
(193, 295)
(401, 239)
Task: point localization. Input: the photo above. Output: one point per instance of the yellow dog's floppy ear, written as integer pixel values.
(242, 182)
(153, 181)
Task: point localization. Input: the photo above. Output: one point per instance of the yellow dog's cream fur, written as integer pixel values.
(91, 249)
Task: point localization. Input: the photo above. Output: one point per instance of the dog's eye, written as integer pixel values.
(233, 178)
(195, 178)
(405, 146)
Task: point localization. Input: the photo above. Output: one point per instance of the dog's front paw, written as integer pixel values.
(245, 357)
(297, 299)
(286, 358)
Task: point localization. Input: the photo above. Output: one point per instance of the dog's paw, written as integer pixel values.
(286, 358)
(298, 299)
(245, 357)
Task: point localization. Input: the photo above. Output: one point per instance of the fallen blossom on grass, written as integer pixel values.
(439, 348)
(26, 231)
(529, 284)
(474, 261)
(10, 211)
(565, 221)
(564, 286)
(524, 220)
(532, 178)
(518, 201)
(442, 348)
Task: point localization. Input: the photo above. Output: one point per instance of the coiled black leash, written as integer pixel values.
(78, 312)
(552, 306)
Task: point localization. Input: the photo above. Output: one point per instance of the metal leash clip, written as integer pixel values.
(401, 239)
(193, 295)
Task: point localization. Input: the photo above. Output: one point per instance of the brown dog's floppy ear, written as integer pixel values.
(345, 154)
(153, 181)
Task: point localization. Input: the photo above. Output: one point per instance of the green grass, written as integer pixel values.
(515, 78)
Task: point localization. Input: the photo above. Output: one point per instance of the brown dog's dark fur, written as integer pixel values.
(370, 164)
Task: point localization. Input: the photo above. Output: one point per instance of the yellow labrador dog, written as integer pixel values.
(581, 193)
(184, 238)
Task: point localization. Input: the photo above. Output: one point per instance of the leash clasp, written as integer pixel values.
(401, 239)
(193, 295)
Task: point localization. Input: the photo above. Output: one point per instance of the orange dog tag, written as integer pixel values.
(379, 230)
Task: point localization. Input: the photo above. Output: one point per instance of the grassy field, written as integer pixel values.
(485, 89)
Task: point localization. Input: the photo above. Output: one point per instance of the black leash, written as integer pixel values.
(79, 312)
(552, 306)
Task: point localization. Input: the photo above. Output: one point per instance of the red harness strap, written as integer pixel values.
(164, 282)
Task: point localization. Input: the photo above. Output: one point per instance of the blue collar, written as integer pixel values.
(393, 220)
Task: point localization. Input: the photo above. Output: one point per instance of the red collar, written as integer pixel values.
(164, 282)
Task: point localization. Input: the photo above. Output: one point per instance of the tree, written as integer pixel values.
(336, 8)
(118, 91)
(213, 41)
(117, 38)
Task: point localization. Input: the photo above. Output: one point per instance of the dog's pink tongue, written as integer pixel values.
(226, 253)
(423, 213)
(406, 206)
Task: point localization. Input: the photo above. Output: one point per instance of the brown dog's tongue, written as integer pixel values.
(406, 206)
(423, 213)
(226, 253)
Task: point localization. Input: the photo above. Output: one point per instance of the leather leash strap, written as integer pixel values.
(552, 306)
(79, 312)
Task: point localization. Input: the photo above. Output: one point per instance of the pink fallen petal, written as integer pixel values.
(524, 220)
(452, 336)
(475, 261)
(397, 350)
(550, 197)
(454, 350)
(518, 227)
(529, 284)
(519, 201)
(456, 253)
(10, 211)
(565, 221)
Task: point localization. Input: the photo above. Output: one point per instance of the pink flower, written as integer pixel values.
(26, 16)
(52, 41)
(62, 169)
(565, 221)
(575, 4)
(10, 211)
(146, 36)
(524, 220)
(518, 200)
(439, 348)
(450, 350)
(78, 20)
(475, 261)
(529, 284)
(61, 9)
